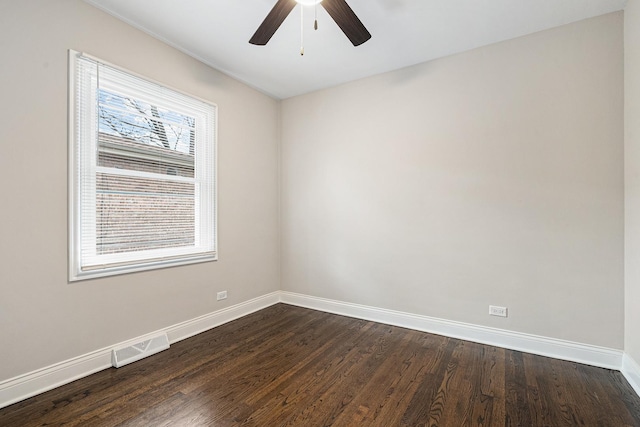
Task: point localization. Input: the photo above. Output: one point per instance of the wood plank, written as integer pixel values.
(291, 366)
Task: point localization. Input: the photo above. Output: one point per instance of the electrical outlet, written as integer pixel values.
(222, 295)
(494, 310)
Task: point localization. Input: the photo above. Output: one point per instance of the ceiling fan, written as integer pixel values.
(339, 10)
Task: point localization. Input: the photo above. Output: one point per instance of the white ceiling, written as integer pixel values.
(404, 32)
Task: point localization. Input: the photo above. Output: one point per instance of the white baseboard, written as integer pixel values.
(631, 371)
(24, 386)
(200, 324)
(551, 347)
(30, 384)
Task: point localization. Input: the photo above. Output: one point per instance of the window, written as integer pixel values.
(141, 173)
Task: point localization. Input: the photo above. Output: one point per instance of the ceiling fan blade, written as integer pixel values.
(347, 20)
(272, 22)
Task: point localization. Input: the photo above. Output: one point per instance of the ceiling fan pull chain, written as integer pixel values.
(301, 30)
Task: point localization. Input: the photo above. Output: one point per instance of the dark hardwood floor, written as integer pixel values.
(290, 366)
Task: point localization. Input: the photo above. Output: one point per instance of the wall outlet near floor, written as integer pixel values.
(494, 310)
(221, 295)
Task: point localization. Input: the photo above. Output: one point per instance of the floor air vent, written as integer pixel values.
(125, 355)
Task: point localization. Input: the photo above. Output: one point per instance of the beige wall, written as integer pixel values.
(43, 318)
(490, 177)
(632, 178)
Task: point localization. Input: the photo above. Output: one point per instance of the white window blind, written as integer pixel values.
(142, 173)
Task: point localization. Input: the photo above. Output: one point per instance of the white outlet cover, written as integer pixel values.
(497, 311)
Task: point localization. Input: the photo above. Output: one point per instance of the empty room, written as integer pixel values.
(320, 213)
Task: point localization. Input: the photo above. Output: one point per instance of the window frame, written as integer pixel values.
(151, 258)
